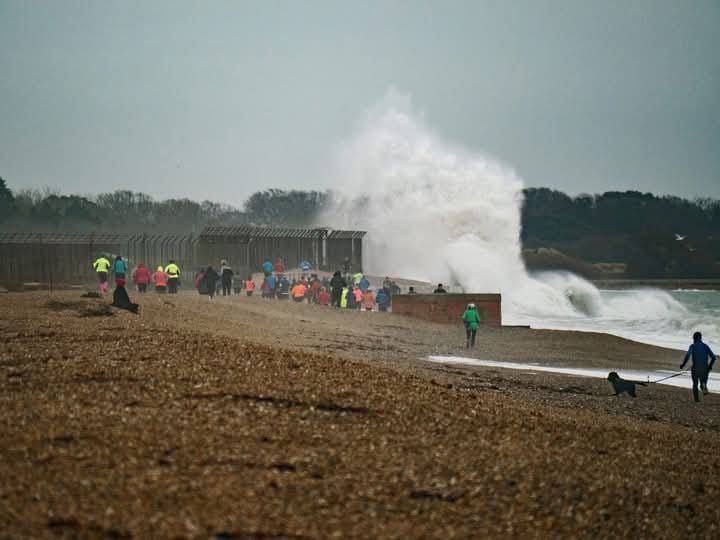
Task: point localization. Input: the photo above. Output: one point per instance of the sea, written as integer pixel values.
(439, 212)
(657, 317)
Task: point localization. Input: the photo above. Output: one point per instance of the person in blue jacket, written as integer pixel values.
(700, 369)
(382, 299)
(364, 284)
(267, 267)
(119, 268)
(271, 281)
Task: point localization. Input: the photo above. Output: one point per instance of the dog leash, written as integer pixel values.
(668, 377)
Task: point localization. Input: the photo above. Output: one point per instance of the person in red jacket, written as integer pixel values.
(141, 278)
(279, 267)
(160, 279)
(323, 297)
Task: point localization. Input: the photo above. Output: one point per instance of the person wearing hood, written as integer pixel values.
(120, 297)
(471, 319)
(267, 267)
(160, 279)
(226, 277)
(382, 298)
(209, 281)
(364, 284)
(337, 284)
(282, 290)
(119, 268)
(700, 370)
(141, 278)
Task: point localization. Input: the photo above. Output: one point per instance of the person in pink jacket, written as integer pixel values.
(357, 292)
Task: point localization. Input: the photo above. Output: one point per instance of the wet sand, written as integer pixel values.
(246, 418)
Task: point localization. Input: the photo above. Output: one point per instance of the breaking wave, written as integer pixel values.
(438, 212)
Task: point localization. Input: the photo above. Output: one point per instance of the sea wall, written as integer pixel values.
(448, 308)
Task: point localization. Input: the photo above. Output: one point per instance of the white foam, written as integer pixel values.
(683, 381)
(437, 212)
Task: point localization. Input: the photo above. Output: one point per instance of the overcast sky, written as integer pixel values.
(215, 100)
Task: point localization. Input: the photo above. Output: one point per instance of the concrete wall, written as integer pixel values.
(448, 308)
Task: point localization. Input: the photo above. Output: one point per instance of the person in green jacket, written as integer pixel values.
(471, 318)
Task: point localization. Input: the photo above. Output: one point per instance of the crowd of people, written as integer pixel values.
(165, 279)
(345, 290)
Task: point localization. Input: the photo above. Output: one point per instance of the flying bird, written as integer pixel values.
(679, 237)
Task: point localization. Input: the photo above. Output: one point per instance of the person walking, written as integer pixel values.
(226, 277)
(209, 281)
(271, 282)
(282, 290)
(345, 296)
(337, 284)
(382, 298)
(249, 286)
(700, 369)
(173, 274)
(298, 291)
(323, 297)
(119, 268)
(141, 278)
(368, 300)
(199, 283)
(358, 294)
(102, 267)
(471, 319)
(364, 284)
(160, 279)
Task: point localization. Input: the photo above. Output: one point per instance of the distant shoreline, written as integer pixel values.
(701, 284)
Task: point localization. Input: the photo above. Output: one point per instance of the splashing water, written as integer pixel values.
(437, 212)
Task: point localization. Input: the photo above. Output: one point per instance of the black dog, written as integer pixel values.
(122, 300)
(620, 385)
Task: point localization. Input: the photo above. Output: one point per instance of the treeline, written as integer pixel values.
(639, 235)
(655, 237)
(128, 211)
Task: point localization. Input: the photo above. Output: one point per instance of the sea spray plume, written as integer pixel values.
(432, 210)
(440, 213)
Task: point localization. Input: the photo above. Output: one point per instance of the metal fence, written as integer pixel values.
(67, 257)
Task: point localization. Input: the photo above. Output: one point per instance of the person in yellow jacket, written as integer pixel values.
(102, 266)
(344, 297)
(173, 274)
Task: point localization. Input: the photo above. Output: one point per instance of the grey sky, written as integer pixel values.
(219, 99)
